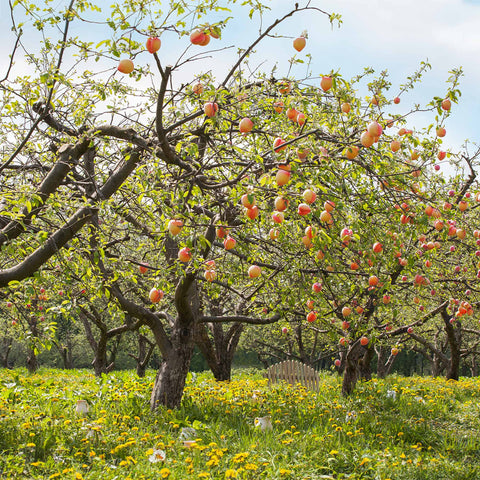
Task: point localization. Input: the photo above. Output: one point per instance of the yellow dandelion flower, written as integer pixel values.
(164, 473)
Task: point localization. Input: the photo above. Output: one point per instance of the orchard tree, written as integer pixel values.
(193, 202)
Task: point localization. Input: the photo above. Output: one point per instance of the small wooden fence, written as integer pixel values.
(293, 372)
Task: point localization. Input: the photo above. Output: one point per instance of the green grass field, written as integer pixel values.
(428, 431)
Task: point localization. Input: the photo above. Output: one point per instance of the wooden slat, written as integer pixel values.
(293, 372)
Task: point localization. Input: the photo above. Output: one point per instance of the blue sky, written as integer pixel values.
(384, 34)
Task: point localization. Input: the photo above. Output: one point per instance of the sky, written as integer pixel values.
(388, 35)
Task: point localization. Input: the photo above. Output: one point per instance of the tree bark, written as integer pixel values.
(7, 348)
(352, 369)
(454, 337)
(219, 353)
(32, 361)
(172, 375)
(382, 357)
(365, 363)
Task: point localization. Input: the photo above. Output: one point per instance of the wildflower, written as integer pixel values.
(265, 423)
(189, 443)
(391, 394)
(157, 456)
(82, 407)
(230, 473)
(187, 433)
(164, 473)
(351, 416)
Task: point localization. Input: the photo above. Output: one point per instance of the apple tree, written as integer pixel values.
(235, 197)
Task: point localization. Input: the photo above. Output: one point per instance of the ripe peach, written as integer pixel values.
(229, 243)
(351, 152)
(198, 37)
(125, 66)
(304, 209)
(395, 146)
(329, 206)
(292, 114)
(184, 254)
(278, 106)
(248, 200)
(374, 129)
(326, 83)
(155, 295)
(197, 89)
(210, 109)
(299, 44)
(345, 107)
(245, 125)
(252, 213)
(309, 196)
(326, 217)
(366, 139)
(175, 227)
(221, 232)
(281, 204)
(153, 44)
(274, 233)
(210, 275)
(254, 271)
(278, 217)
(282, 177)
(277, 145)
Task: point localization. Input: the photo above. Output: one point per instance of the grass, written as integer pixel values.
(428, 431)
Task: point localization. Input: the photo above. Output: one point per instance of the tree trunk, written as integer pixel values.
(7, 348)
(172, 375)
(144, 355)
(474, 367)
(67, 358)
(454, 336)
(365, 363)
(352, 369)
(350, 377)
(219, 353)
(437, 365)
(382, 358)
(32, 362)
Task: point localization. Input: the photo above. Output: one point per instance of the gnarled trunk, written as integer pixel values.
(32, 362)
(352, 369)
(454, 336)
(382, 358)
(5, 353)
(219, 353)
(172, 374)
(365, 363)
